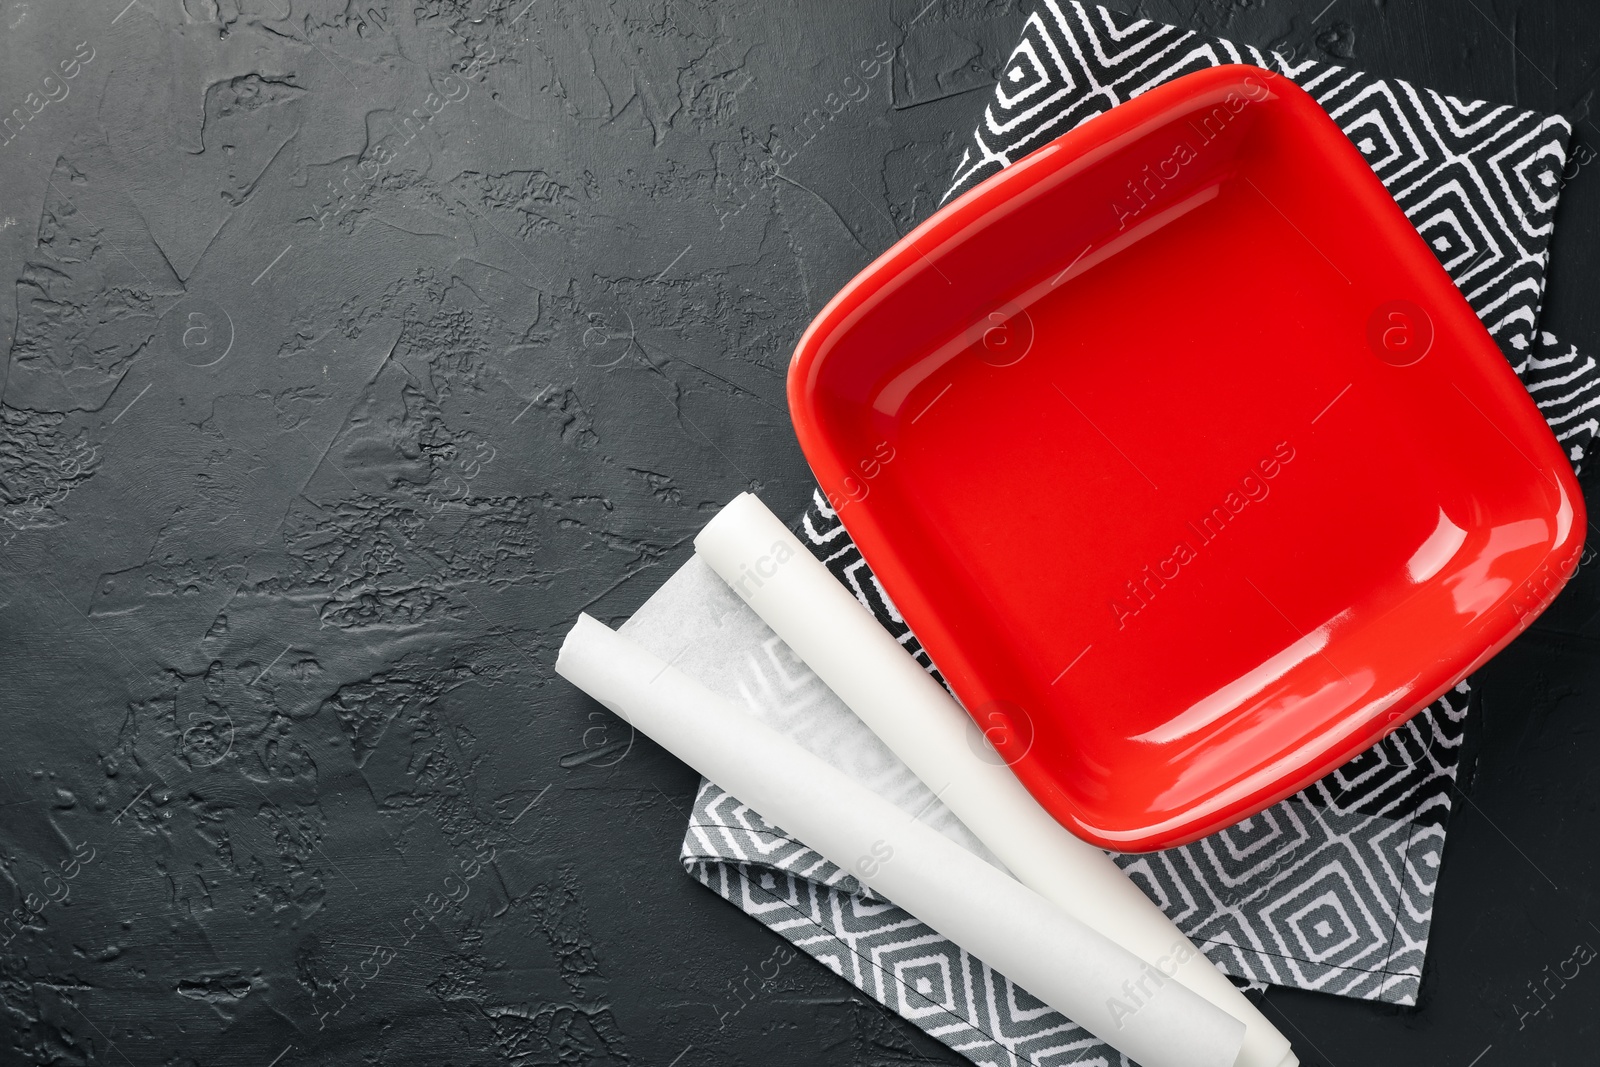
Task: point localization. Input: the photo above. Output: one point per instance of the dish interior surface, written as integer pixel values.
(1184, 458)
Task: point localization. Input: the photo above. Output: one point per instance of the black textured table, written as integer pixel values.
(356, 347)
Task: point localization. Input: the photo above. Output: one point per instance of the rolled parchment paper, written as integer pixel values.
(757, 555)
(1134, 1006)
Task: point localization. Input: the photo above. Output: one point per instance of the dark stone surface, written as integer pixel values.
(357, 347)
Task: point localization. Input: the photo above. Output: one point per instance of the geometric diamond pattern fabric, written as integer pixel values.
(1565, 383)
(878, 948)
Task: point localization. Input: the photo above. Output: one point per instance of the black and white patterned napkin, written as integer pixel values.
(1332, 889)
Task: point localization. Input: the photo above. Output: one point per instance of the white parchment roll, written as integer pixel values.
(1134, 1006)
(756, 554)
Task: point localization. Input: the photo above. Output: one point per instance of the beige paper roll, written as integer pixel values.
(1130, 1004)
(756, 554)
